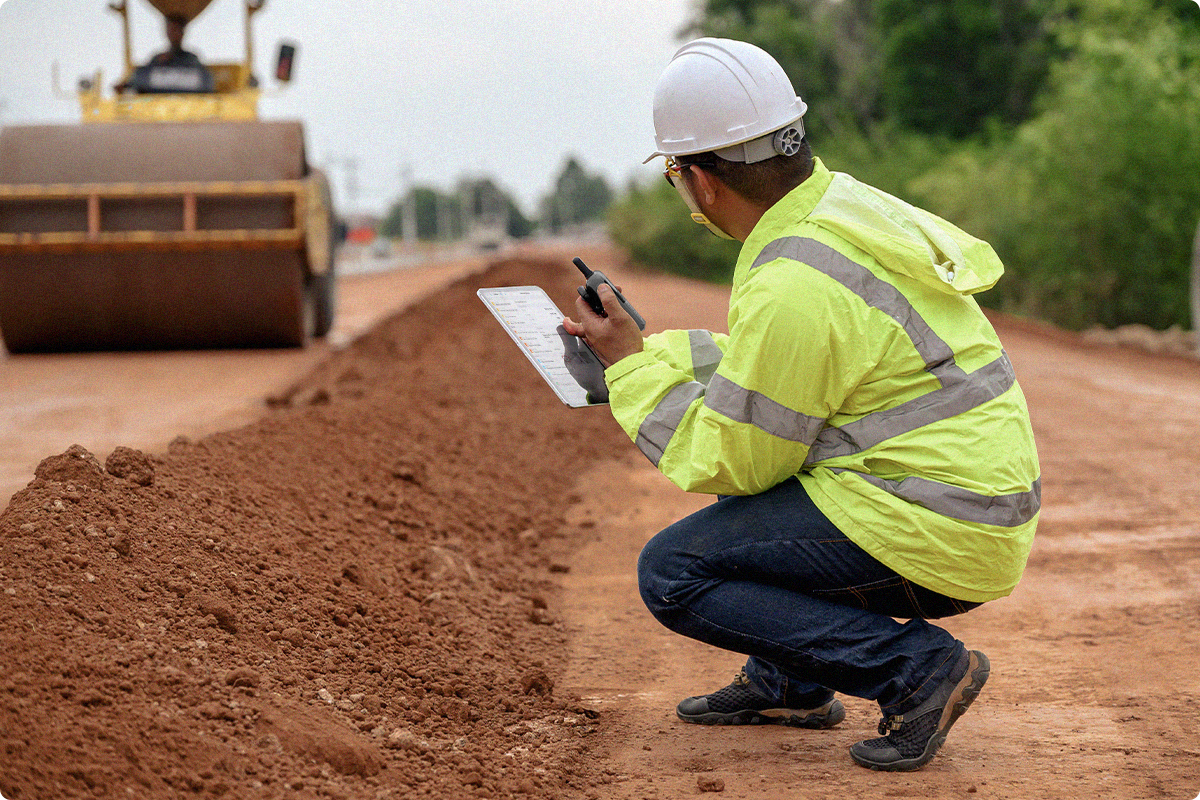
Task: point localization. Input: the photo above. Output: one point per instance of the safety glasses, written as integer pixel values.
(672, 171)
(674, 175)
(675, 170)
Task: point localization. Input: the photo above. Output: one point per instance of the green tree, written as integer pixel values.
(949, 65)
(940, 66)
(437, 215)
(829, 50)
(578, 197)
(1094, 202)
(519, 226)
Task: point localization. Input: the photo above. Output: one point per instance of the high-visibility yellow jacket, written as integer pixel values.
(856, 360)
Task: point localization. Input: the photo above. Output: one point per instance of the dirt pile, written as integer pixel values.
(351, 598)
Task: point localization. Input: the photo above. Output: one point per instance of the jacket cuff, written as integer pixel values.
(627, 365)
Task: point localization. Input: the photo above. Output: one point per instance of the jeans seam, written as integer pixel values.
(858, 591)
(912, 598)
(883, 583)
(928, 678)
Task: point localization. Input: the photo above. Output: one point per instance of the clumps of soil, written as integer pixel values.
(335, 602)
(76, 468)
(132, 465)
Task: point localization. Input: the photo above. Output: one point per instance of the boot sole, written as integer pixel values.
(960, 700)
(782, 716)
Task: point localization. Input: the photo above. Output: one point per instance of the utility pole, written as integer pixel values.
(408, 215)
(351, 165)
(348, 166)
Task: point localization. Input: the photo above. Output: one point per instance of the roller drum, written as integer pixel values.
(137, 295)
(152, 152)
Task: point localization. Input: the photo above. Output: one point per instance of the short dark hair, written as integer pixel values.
(763, 182)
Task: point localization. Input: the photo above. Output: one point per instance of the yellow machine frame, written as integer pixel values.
(138, 230)
(234, 96)
(234, 99)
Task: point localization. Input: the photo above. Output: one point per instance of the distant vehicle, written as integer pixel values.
(381, 247)
(171, 217)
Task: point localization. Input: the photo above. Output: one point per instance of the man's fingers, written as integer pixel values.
(612, 306)
(585, 310)
(572, 327)
(608, 298)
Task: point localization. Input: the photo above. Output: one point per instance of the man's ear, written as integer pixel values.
(707, 185)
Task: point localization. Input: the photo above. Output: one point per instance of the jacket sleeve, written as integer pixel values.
(746, 425)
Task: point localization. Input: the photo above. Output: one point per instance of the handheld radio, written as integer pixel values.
(588, 293)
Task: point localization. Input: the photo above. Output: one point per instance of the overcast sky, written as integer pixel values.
(447, 88)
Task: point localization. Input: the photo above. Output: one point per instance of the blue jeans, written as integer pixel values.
(769, 576)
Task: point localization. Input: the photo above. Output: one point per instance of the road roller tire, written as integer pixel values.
(323, 297)
(319, 250)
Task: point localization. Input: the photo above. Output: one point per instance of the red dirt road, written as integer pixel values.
(417, 580)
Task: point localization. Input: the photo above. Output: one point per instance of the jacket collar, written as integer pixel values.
(779, 218)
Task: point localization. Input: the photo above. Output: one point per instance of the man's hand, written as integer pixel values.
(613, 337)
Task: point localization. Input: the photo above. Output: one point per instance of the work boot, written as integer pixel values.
(739, 704)
(910, 740)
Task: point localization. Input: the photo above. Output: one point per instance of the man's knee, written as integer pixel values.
(654, 579)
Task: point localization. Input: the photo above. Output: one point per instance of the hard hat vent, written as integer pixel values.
(787, 141)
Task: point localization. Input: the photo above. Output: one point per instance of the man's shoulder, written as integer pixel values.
(790, 265)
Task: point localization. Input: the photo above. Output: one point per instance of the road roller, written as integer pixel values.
(170, 217)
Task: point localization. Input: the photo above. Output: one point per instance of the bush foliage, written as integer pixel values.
(1090, 192)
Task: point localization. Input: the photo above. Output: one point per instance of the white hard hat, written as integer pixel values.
(727, 96)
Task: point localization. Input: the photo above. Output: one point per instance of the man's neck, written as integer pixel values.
(739, 215)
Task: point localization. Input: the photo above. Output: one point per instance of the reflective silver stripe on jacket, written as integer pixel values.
(755, 408)
(876, 293)
(705, 355)
(657, 429)
(959, 393)
(986, 383)
(1003, 511)
(724, 397)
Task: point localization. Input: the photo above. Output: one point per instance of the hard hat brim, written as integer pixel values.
(692, 152)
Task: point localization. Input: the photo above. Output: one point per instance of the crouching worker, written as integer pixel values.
(860, 422)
